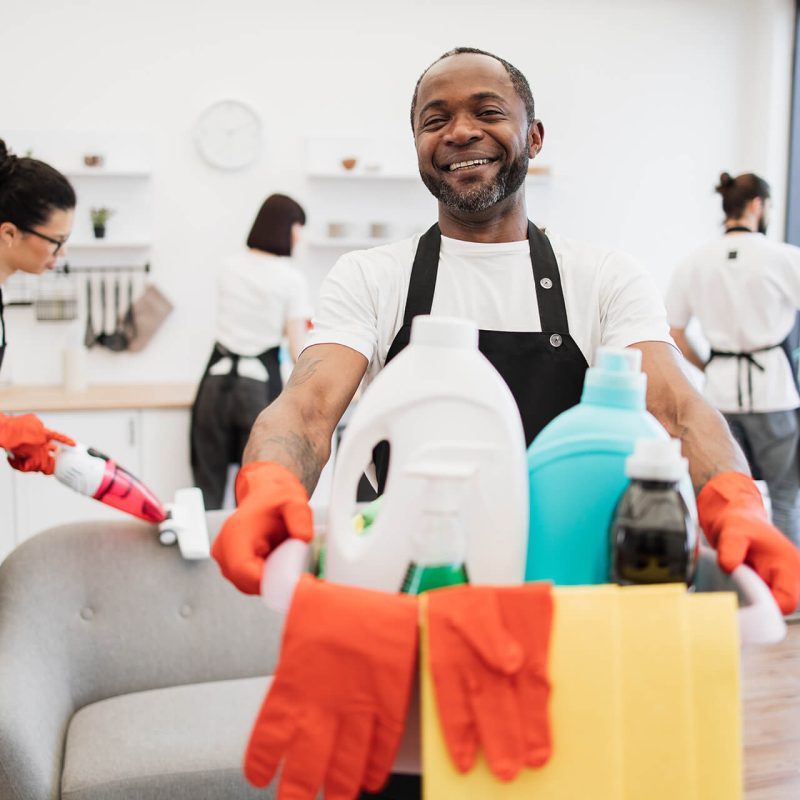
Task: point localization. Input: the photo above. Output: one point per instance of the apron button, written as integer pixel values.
(545, 283)
(555, 340)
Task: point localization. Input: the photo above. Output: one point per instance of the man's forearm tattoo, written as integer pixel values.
(301, 452)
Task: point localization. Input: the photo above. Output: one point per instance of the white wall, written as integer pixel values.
(644, 103)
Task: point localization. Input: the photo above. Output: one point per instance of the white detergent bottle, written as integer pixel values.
(439, 400)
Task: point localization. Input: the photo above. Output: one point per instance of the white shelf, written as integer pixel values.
(100, 172)
(348, 243)
(365, 176)
(107, 244)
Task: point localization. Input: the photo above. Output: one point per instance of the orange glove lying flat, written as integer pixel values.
(30, 444)
(732, 515)
(336, 710)
(488, 656)
(272, 506)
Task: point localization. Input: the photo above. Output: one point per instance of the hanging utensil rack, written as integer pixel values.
(114, 269)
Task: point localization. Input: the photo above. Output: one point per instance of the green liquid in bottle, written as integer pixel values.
(421, 579)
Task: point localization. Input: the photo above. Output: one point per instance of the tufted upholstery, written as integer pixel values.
(125, 671)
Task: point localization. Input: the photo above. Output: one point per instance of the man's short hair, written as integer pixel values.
(518, 80)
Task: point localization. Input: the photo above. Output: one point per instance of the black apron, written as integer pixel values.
(3, 324)
(269, 358)
(544, 370)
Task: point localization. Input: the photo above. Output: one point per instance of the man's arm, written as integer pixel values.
(685, 346)
(296, 429)
(705, 438)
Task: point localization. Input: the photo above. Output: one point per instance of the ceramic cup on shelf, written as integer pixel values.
(338, 230)
(349, 162)
(379, 230)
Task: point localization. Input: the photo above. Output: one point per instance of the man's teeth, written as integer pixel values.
(462, 164)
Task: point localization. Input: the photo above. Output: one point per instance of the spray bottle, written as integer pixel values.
(439, 547)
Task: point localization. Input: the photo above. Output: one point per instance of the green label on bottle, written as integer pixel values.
(421, 579)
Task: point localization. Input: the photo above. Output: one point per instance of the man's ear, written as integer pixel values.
(535, 138)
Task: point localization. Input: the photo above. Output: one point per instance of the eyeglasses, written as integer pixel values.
(59, 243)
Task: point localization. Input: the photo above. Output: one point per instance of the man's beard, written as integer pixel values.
(482, 196)
(762, 224)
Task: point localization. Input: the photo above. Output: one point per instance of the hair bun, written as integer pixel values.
(725, 181)
(7, 162)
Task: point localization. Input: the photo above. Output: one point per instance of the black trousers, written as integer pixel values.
(223, 414)
(399, 787)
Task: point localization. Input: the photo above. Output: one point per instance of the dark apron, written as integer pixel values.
(269, 358)
(3, 324)
(544, 370)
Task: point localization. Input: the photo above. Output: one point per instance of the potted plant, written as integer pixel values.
(99, 218)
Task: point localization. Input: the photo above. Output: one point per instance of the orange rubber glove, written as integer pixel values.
(732, 515)
(488, 650)
(336, 711)
(272, 506)
(31, 446)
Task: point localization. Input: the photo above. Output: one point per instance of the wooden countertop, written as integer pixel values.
(771, 700)
(97, 397)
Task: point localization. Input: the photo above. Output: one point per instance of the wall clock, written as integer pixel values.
(228, 134)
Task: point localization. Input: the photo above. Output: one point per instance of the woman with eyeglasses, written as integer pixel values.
(37, 204)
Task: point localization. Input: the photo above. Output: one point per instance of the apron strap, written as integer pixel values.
(422, 283)
(2, 319)
(547, 281)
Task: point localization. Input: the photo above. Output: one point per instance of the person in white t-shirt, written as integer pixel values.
(261, 299)
(543, 303)
(744, 290)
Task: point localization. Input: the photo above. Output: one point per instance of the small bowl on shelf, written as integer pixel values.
(349, 163)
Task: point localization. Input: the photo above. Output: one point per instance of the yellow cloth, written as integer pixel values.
(645, 703)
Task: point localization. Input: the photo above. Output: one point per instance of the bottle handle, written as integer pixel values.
(355, 453)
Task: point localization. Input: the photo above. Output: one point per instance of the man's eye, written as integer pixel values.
(432, 121)
(488, 112)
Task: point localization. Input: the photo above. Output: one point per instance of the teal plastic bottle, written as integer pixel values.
(576, 468)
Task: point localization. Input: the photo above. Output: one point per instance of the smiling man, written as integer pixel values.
(543, 304)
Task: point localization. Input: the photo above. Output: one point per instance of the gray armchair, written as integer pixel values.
(125, 671)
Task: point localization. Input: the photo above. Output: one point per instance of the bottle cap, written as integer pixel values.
(656, 460)
(444, 332)
(616, 379)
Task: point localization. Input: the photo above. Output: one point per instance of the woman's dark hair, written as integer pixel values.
(31, 190)
(272, 228)
(739, 191)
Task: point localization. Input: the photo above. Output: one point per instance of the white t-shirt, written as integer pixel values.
(256, 294)
(743, 302)
(609, 298)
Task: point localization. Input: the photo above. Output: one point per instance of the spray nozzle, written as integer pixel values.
(445, 482)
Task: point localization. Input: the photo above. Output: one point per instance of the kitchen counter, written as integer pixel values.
(97, 397)
(771, 699)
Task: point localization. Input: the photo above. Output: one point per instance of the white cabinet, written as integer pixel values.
(164, 437)
(152, 444)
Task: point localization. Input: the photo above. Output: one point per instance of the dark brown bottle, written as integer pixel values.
(653, 537)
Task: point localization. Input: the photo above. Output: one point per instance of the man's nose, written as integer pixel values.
(463, 129)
